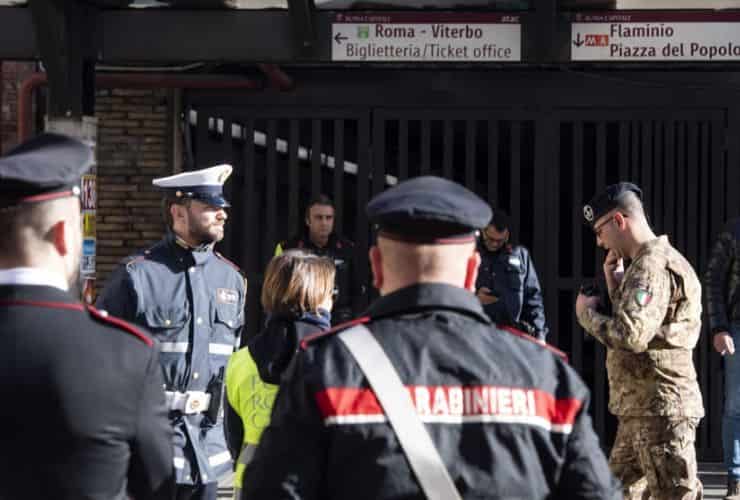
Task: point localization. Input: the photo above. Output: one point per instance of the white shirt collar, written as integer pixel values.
(32, 276)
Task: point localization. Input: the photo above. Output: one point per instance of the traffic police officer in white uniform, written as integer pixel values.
(192, 300)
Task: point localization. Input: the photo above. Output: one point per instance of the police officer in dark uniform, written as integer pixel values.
(507, 415)
(83, 411)
(320, 238)
(507, 283)
(192, 300)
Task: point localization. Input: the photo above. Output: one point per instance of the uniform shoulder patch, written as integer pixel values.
(526, 336)
(643, 297)
(335, 329)
(237, 268)
(129, 262)
(104, 317)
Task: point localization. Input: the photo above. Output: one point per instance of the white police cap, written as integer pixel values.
(205, 185)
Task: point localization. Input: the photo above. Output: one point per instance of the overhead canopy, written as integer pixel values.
(406, 4)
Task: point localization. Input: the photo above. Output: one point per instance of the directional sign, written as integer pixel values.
(429, 36)
(647, 36)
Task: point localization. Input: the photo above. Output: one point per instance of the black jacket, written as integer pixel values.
(349, 288)
(511, 277)
(272, 351)
(82, 407)
(510, 419)
(722, 279)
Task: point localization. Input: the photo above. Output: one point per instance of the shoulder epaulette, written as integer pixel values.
(337, 328)
(541, 343)
(120, 324)
(237, 268)
(130, 261)
(133, 259)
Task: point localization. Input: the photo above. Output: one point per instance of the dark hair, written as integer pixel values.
(167, 202)
(630, 204)
(14, 219)
(319, 199)
(10, 224)
(500, 219)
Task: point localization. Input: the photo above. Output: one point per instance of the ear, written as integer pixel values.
(621, 220)
(376, 265)
(471, 273)
(60, 237)
(177, 211)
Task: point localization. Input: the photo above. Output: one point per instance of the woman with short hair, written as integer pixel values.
(297, 297)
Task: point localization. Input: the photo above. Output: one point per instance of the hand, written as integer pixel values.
(723, 343)
(485, 296)
(584, 302)
(614, 266)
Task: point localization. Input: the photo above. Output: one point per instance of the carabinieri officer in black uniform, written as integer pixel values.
(81, 402)
(192, 300)
(507, 415)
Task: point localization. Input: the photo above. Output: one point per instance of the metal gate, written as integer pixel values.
(538, 165)
(281, 159)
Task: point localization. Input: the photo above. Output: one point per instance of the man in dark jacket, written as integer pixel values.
(722, 289)
(83, 412)
(508, 417)
(320, 238)
(507, 284)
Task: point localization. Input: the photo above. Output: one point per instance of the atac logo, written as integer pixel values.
(588, 213)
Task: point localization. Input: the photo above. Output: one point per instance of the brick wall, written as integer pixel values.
(134, 144)
(12, 74)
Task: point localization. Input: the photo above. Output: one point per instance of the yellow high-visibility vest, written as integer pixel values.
(252, 399)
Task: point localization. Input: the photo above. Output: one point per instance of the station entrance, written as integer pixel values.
(535, 144)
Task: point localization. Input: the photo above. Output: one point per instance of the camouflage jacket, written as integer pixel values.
(722, 279)
(651, 335)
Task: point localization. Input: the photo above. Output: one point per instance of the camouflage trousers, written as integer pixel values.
(655, 458)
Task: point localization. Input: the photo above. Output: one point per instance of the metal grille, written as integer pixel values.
(281, 160)
(490, 152)
(538, 165)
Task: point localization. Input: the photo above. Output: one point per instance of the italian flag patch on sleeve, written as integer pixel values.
(643, 297)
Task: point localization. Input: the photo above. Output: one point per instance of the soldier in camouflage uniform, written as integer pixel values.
(649, 338)
(722, 282)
